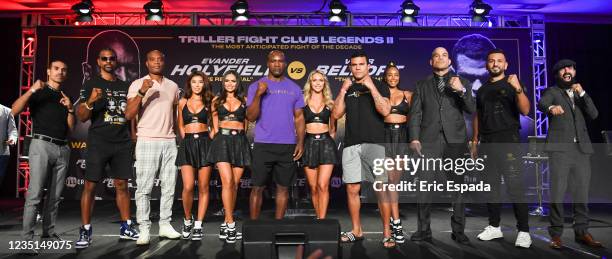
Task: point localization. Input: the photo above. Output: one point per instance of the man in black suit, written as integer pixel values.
(569, 147)
(437, 130)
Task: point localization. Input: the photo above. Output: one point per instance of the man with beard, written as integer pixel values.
(499, 103)
(49, 154)
(154, 99)
(566, 105)
(108, 143)
(365, 103)
(275, 103)
(437, 130)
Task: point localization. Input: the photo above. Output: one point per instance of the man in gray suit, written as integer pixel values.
(437, 130)
(569, 147)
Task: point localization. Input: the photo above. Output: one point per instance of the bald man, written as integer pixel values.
(153, 98)
(438, 130)
(275, 105)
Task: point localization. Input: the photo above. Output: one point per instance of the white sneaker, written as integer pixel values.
(490, 233)
(523, 240)
(167, 231)
(144, 238)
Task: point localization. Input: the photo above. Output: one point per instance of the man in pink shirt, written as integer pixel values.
(153, 100)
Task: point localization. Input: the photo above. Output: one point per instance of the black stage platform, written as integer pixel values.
(107, 245)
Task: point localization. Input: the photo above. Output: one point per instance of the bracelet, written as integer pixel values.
(141, 94)
(32, 90)
(87, 106)
(520, 90)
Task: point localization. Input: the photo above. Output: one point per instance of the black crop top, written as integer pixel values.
(403, 108)
(189, 117)
(321, 117)
(237, 115)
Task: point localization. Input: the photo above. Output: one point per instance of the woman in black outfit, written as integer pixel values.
(396, 139)
(193, 117)
(319, 146)
(230, 149)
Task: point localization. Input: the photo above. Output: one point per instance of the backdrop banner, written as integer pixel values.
(215, 50)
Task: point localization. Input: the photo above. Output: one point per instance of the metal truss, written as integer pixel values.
(26, 75)
(539, 72)
(32, 20)
(281, 19)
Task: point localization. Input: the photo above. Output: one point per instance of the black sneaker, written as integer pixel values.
(223, 231)
(231, 235)
(397, 232)
(197, 234)
(186, 232)
(84, 238)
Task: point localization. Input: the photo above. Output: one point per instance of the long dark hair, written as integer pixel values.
(223, 93)
(206, 93)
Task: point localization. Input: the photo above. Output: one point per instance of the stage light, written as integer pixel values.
(409, 11)
(240, 11)
(154, 10)
(30, 38)
(479, 10)
(337, 11)
(83, 9)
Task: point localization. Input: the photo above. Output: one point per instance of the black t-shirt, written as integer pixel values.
(363, 123)
(108, 115)
(497, 107)
(48, 114)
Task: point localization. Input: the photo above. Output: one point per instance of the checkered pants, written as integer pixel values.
(152, 156)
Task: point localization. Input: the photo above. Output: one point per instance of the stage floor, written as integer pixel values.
(106, 229)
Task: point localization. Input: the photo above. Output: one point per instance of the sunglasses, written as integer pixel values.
(108, 59)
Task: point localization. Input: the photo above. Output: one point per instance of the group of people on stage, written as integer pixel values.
(292, 124)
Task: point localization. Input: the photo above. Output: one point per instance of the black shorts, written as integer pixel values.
(275, 159)
(118, 156)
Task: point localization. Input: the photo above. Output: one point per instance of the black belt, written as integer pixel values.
(319, 136)
(59, 142)
(395, 125)
(196, 135)
(231, 131)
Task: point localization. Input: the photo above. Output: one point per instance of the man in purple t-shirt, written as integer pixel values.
(275, 103)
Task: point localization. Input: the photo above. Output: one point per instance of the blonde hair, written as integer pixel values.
(327, 95)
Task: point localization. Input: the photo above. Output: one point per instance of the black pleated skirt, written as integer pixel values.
(319, 149)
(193, 150)
(230, 146)
(396, 140)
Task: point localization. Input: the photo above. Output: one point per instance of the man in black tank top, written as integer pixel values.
(365, 103)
